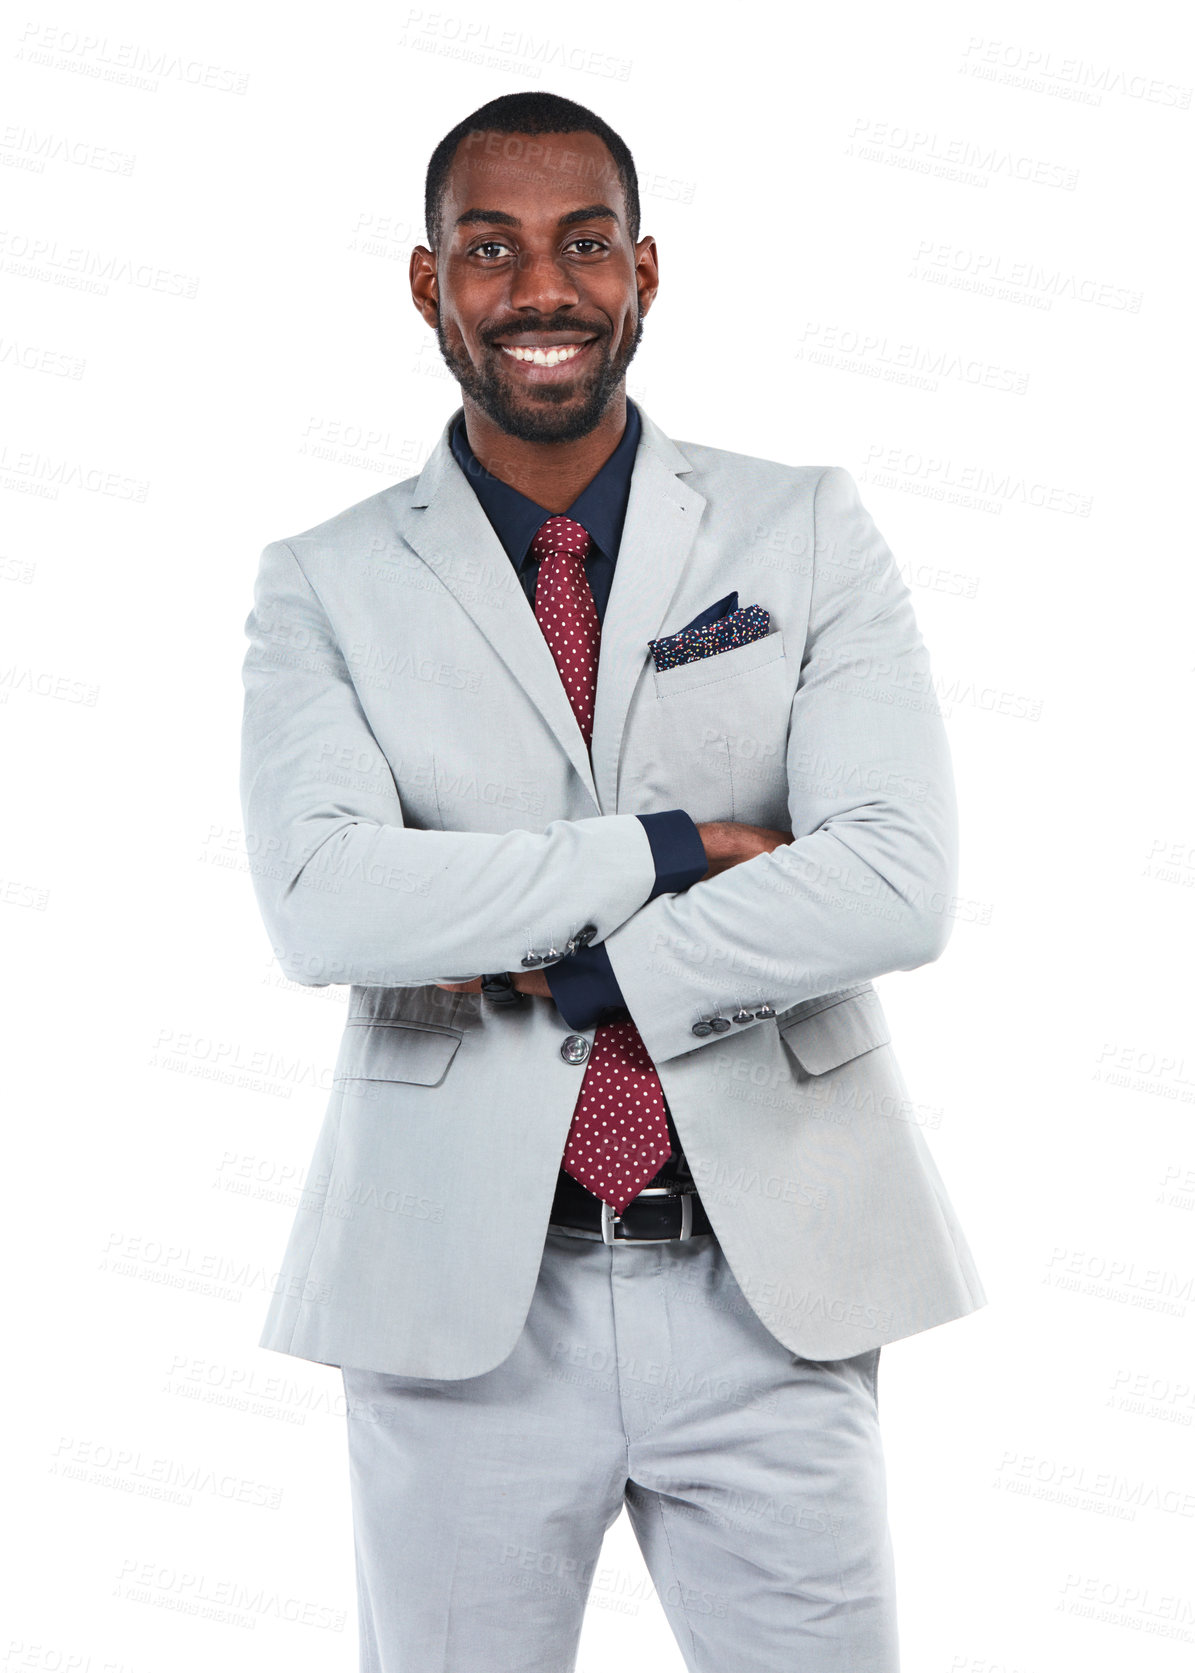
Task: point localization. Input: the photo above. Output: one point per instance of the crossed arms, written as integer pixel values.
(863, 886)
(726, 843)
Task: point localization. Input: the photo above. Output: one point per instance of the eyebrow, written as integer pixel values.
(499, 217)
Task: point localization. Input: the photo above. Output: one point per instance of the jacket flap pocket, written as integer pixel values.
(836, 1033)
(396, 1051)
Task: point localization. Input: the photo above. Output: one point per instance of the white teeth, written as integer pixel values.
(546, 357)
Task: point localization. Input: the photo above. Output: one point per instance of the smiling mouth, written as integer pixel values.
(549, 352)
(548, 357)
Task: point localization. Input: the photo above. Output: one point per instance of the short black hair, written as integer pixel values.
(527, 113)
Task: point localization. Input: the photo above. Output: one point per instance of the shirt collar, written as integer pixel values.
(600, 507)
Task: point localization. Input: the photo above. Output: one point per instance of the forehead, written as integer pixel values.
(534, 177)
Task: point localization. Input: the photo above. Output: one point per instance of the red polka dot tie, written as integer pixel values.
(619, 1134)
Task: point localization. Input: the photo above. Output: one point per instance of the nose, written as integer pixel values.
(541, 283)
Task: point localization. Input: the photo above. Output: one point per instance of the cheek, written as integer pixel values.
(624, 333)
(459, 345)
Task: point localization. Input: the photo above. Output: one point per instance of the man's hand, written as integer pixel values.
(526, 981)
(727, 843)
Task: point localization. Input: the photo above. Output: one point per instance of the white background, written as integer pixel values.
(993, 198)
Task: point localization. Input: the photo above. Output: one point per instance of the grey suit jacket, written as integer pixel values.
(419, 806)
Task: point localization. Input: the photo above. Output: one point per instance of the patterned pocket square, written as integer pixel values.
(709, 633)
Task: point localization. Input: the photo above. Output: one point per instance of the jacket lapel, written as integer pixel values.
(663, 513)
(445, 525)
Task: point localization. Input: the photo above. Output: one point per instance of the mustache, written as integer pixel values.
(516, 328)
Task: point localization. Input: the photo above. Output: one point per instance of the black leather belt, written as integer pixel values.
(657, 1215)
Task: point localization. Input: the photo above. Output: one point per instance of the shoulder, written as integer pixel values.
(766, 488)
(719, 473)
(367, 520)
(813, 510)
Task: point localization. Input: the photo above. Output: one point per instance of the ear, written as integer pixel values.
(425, 288)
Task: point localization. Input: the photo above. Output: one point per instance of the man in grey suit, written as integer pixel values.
(606, 771)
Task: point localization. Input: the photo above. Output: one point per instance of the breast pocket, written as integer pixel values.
(713, 734)
(395, 1051)
(722, 666)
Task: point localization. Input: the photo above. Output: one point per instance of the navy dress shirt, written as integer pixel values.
(583, 984)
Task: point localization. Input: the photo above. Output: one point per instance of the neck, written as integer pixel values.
(550, 473)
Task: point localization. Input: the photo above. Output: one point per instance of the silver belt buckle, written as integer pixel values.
(686, 1217)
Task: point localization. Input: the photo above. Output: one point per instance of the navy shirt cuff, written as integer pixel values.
(676, 849)
(586, 989)
(584, 985)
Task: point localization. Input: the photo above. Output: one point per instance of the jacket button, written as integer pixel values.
(575, 1048)
(701, 1029)
(719, 1024)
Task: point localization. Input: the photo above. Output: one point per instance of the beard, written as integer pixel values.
(543, 413)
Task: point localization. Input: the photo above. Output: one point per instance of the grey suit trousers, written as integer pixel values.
(753, 1480)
